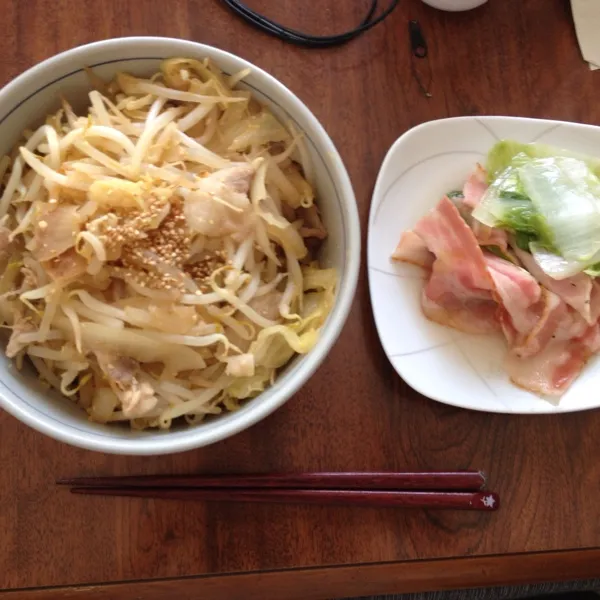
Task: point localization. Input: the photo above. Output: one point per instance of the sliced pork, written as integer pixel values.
(412, 249)
(550, 326)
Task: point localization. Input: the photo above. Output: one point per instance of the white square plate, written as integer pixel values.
(441, 363)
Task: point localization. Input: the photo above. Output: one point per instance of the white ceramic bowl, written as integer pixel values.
(26, 101)
(455, 5)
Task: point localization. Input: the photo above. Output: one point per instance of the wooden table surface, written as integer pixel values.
(509, 57)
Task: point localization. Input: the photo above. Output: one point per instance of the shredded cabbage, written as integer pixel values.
(566, 195)
(503, 154)
(549, 199)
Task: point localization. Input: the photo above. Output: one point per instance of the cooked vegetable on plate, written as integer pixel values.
(159, 250)
(517, 251)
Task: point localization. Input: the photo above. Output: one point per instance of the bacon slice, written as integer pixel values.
(447, 301)
(515, 288)
(473, 190)
(529, 315)
(475, 187)
(459, 291)
(412, 249)
(549, 372)
(490, 236)
(518, 296)
(595, 302)
(547, 357)
(576, 291)
(448, 236)
(553, 370)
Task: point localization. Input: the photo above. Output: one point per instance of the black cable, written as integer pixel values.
(303, 39)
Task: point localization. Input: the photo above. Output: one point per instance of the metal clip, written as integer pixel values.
(418, 50)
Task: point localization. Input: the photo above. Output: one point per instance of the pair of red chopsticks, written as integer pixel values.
(446, 490)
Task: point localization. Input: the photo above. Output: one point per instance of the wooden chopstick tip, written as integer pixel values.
(484, 479)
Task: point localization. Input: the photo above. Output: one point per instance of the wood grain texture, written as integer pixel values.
(509, 57)
(347, 581)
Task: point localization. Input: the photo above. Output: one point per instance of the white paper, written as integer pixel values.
(586, 15)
